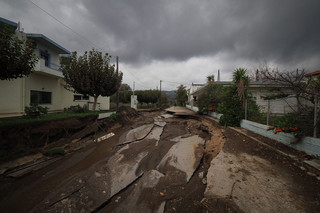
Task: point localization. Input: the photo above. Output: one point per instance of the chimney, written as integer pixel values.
(218, 76)
(257, 75)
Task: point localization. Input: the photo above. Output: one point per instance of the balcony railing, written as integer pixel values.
(53, 66)
(48, 68)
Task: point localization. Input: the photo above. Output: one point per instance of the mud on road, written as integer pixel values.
(159, 162)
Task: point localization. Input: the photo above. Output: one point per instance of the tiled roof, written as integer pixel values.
(313, 73)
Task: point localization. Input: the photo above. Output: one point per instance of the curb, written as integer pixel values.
(307, 165)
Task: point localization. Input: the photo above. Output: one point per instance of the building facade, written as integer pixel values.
(45, 85)
(260, 90)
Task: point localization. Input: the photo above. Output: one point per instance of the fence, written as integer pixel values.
(273, 109)
(309, 145)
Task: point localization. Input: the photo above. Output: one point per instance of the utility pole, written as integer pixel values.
(315, 116)
(268, 112)
(117, 71)
(246, 109)
(133, 88)
(160, 94)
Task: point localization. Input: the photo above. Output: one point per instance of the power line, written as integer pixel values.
(75, 32)
(176, 83)
(83, 37)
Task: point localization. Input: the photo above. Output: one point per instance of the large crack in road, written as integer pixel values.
(141, 152)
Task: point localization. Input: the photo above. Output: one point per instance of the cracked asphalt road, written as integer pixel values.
(166, 163)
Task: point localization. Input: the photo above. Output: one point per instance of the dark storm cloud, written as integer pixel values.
(269, 30)
(192, 39)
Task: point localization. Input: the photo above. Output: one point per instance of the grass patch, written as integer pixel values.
(56, 151)
(51, 116)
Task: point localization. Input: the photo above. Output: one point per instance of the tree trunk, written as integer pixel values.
(95, 103)
(298, 103)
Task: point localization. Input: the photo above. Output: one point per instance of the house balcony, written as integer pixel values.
(50, 69)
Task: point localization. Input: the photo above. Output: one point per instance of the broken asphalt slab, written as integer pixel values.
(136, 201)
(251, 182)
(185, 155)
(180, 111)
(89, 193)
(137, 133)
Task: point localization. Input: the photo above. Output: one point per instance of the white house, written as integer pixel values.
(194, 87)
(45, 85)
(260, 90)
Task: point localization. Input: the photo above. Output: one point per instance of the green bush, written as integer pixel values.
(230, 107)
(34, 110)
(254, 111)
(78, 109)
(303, 121)
(210, 98)
(56, 151)
(113, 117)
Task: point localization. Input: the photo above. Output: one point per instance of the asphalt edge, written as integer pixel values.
(310, 167)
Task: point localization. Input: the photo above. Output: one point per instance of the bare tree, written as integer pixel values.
(296, 80)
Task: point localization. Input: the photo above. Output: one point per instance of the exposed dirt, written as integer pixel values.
(25, 139)
(137, 177)
(31, 189)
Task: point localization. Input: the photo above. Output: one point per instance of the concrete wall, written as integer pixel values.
(15, 95)
(212, 114)
(309, 145)
(11, 96)
(44, 83)
(54, 57)
(194, 108)
(67, 100)
(215, 114)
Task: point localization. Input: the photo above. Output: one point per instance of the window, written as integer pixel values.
(80, 97)
(39, 97)
(46, 56)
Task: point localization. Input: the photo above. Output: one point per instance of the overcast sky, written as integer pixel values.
(180, 41)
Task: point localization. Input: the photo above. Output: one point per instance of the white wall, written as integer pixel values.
(54, 57)
(11, 96)
(277, 106)
(15, 94)
(44, 83)
(67, 99)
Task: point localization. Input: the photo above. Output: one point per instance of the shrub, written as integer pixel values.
(210, 98)
(56, 151)
(78, 109)
(254, 111)
(302, 121)
(230, 107)
(35, 110)
(113, 117)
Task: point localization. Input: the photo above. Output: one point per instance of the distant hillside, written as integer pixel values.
(171, 95)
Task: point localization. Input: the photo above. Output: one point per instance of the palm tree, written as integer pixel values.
(241, 80)
(210, 79)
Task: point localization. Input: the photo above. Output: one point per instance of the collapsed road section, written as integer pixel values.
(150, 169)
(174, 161)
